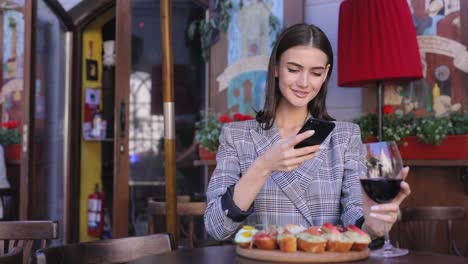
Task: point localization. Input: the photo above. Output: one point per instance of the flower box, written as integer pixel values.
(205, 154)
(453, 147)
(13, 152)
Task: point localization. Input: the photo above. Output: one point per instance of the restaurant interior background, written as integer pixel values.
(72, 149)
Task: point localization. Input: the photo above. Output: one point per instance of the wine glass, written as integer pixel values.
(382, 183)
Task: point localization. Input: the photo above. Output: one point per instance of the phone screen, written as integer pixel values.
(322, 129)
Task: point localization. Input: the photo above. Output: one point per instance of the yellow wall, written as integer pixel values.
(91, 150)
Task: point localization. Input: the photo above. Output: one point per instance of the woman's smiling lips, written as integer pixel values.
(300, 94)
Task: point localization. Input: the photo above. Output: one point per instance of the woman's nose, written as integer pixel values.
(303, 80)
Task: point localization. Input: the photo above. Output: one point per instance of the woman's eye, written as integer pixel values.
(292, 70)
(318, 74)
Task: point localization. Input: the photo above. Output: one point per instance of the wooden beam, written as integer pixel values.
(123, 50)
(169, 120)
(27, 164)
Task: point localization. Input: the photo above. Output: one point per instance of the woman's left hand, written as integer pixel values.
(375, 213)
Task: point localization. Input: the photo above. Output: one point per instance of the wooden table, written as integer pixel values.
(227, 254)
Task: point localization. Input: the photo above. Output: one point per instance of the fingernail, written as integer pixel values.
(322, 147)
(311, 132)
(374, 207)
(372, 215)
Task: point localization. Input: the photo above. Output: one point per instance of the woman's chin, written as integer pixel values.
(296, 102)
(299, 102)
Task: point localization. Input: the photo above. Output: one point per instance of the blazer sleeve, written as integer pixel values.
(227, 172)
(354, 165)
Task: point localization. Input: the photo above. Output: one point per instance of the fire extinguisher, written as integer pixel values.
(95, 212)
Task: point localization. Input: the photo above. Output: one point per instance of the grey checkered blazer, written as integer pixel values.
(324, 189)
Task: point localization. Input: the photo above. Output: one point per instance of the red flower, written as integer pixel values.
(388, 109)
(235, 117)
(238, 117)
(225, 119)
(10, 124)
(241, 117)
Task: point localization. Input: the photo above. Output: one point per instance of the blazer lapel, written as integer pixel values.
(290, 184)
(263, 139)
(293, 184)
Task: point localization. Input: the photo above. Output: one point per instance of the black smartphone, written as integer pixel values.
(322, 129)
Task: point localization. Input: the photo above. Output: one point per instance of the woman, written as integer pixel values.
(262, 179)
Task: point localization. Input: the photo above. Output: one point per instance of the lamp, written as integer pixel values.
(376, 45)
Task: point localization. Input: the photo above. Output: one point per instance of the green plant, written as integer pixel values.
(367, 123)
(218, 20)
(207, 131)
(208, 128)
(432, 130)
(459, 124)
(396, 127)
(429, 129)
(9, 133)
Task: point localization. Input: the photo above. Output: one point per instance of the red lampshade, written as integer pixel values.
(376, 42)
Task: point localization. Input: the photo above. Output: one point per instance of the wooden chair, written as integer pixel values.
(418, 226)
(185, 208)
(24, 233)
(15, 256)
(117, 250)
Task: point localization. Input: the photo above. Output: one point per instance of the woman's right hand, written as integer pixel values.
(282, 156)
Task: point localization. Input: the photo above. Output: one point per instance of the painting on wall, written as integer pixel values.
(444, 58)
(94, 127)
(242, 90)
(91, 70)
(252, 31)
(13, 44)
(12, 70)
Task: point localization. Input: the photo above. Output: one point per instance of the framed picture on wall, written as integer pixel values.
(94, 126)
(91, 70)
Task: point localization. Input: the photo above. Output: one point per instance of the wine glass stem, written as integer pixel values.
(387, 246)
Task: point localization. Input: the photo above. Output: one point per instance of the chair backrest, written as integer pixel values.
(185, 208)
(418, 226)
(117, 250)
(15, 256)
(24, 233)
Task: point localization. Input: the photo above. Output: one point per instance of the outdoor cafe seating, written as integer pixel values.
(117, 250)
(23, 234)
(418, 227)
(188, 212)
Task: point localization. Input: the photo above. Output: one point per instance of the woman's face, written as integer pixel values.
(301, 73)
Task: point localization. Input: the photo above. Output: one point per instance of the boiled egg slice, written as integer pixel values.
(245, 234)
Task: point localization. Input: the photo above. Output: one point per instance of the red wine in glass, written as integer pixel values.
(381, 190)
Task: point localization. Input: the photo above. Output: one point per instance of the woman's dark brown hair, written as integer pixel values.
(297, 35)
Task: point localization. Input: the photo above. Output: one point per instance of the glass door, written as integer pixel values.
(146, 120)
(49, 99)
